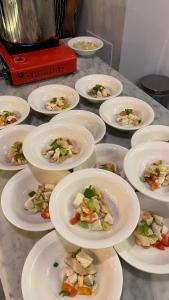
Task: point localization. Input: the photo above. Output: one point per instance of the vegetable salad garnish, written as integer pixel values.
(7, 117)
(91, 210)
(38, 202)
(99, 91)
(151, 231)
(60, 149)
(78, 277)
(156, 175)
(128, 117)
(15, 154)
(109, 167)
(85, 45)
(56, 104)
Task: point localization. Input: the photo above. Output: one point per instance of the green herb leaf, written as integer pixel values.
(83, 224)
(55, 264)
(64, 293)
(31, 194)
(128, 111)
(88, 193)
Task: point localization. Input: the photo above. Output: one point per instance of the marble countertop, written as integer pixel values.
(15, 244)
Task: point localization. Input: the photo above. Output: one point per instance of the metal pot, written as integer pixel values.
(27, 21)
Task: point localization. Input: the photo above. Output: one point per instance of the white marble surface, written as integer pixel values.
(15, 244)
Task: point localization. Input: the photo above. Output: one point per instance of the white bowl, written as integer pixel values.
(40, 280)
(38, 97)
(121, 198)
(17, 105)
(150, 133)
(84, 84)
(138, 158)
(85, 118)
(149, 260)
(7, 138)
(43, 135)
(111, 153)
(110, 108)
(71, 43)
(14, 195)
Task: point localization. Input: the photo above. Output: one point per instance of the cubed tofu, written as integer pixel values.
(109, 219)
(78, 200)
(157, 229)
(159, 220)
(72, 279)
(96, 226)
(84, 259)
(164, 229)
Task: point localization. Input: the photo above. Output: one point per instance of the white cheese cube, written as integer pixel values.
(84, 259)
(78, 200)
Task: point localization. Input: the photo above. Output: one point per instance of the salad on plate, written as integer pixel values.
(84, 45)
(56, 104)
(7, 117)
(99, 91)
(128, 117)
(15, 154)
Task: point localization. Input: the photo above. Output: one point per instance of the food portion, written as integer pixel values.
(7, 117)
(109, 167)
(38, 202)
(83, 45)
(56, 104)
(99, 91)
(128, 117)
(156, 175)
(91, 210)
(60, 149)
(78, 277)
(15, 154)
(151, 231)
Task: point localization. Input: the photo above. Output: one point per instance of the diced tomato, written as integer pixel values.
(75, 219)
(2, 123)
(13, 120)
(152, 184)
(84, 291)
(154, 177)
(165, 240)
(69, 288)
(122, 113)
(159, 246)
(45, 213)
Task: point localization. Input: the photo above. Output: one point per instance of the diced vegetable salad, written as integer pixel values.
(78, 276)
(156, 175)
(60, 149)
(99, 91)
(7, 117)
(109, 167)
(56, 104)
(38, 202)
(151, 231)
(91, 210)
(128, 117)
(15, 154)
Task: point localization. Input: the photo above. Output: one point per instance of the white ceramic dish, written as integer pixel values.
(40, 280)
(111, 153)
(120, 196)
(150, 133)
(38, 97)
(7, 138)
(149, 260)
(42, 136)
(17, 105)
(84, 84)
(138, 158)
(110, 108)
(14, 195)
(85, 118)
(97, 41)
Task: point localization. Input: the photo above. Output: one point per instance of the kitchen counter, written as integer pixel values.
(15, 244)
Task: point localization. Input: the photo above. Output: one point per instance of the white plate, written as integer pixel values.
(97, 41)
(17, 105)
(7, 138)
(38, 97)
(138, 158)
(110, 108)
(120, 196)
(40, 280)
(14, 195)
(43, 135)
(85, 118)
(84, 84)
(149, 260)
(111, 153)
(150, 133)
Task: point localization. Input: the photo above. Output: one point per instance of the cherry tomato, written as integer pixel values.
(45, 213)
(13, 120)
(75, 219)
(165, 240)
(159, 246)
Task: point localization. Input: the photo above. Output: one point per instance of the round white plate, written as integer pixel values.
(14, 195)
(17, 105)
(111, 153)
(150, 133)
(7, 138)
(110, 108)
(97, 41)
(43, 135)
(85, 118)
(149, 260)
(138, 158)
(84, 84)
(120, 197)
(40, 280)
(38, 97)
